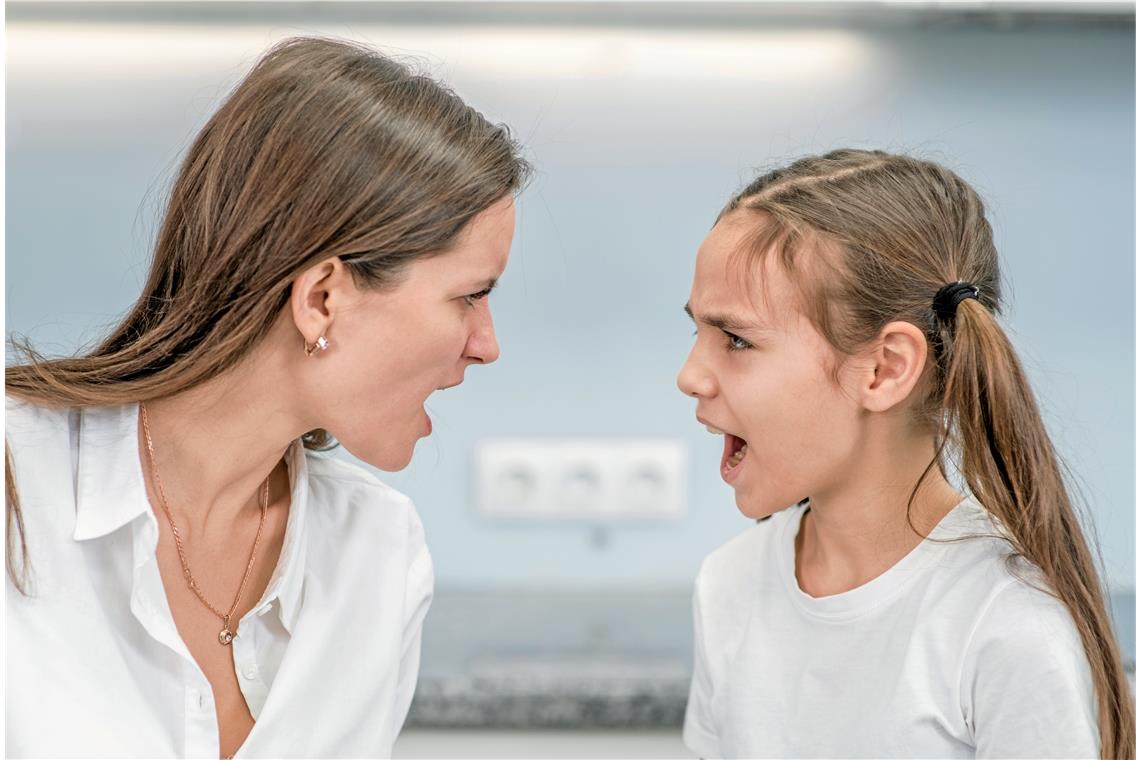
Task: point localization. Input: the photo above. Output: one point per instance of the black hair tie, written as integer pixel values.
(947, 299)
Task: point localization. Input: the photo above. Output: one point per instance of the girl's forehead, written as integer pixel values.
(730, 275)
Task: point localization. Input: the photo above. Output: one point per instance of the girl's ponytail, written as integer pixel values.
(1009, 463)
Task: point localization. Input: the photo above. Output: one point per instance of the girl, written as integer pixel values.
(849, 352)
(189, 577)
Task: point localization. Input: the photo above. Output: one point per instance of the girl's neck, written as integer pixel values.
(859, 529)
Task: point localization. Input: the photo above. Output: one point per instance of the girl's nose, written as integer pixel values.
(695, 381)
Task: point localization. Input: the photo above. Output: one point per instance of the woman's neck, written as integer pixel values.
(216, 444)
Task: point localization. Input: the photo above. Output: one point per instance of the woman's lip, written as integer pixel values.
(428, 418)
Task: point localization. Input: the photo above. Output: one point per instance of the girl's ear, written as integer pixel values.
(895, 364)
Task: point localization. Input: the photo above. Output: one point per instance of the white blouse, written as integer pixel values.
(327, 659)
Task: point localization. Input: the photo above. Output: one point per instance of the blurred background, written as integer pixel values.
(568, 493)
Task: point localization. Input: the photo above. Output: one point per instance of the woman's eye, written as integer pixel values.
(735, 342)
(471, 299)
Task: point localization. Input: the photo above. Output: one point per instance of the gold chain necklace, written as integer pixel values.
(225, 636)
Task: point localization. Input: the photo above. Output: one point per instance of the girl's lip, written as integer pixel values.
(731, 475)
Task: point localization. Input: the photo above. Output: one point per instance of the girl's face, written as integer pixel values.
(391, 349)
(760, 373)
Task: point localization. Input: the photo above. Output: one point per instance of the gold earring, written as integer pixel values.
(321, 344)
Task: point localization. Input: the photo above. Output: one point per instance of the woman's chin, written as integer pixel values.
(397, 461)
(389, 459)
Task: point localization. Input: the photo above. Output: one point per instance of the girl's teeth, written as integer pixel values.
(736, 458)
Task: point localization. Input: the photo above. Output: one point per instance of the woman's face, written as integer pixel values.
(391, 349)
(760, 373)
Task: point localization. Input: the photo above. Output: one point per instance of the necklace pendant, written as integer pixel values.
(225, 637)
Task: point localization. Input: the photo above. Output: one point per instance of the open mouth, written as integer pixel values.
(735, 450)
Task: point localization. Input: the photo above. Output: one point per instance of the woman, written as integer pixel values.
(191, 578)
(848, 350)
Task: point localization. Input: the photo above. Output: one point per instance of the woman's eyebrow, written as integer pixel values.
(725, 321)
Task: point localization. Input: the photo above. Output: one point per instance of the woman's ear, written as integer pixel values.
(896, 361)
(317, 294)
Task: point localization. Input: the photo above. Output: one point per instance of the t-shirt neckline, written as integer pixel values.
(879, 590)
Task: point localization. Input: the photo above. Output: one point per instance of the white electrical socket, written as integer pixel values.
(593, 479)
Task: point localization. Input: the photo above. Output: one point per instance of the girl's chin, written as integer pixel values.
(753, 509)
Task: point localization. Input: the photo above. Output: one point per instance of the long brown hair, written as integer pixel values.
(326, 148)
(903, 228)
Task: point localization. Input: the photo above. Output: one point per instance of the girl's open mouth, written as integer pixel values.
(735, 450)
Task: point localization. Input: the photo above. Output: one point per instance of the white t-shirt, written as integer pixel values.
(946, 654)
(327, 659)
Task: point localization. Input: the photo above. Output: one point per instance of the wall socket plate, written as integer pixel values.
(585, 479)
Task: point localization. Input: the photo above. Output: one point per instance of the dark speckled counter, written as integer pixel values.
(561, 659)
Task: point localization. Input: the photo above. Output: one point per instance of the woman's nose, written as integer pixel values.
(482, 345)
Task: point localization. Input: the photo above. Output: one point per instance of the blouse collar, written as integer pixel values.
(111, 493)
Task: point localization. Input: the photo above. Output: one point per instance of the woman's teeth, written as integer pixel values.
(737, 458)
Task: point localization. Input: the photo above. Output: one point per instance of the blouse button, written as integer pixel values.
(250, 671)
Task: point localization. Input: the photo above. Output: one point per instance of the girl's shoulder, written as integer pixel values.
(743, 551)
(746, 564)
(1015, 604)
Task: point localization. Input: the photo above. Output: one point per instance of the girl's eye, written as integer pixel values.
(471, 299)
(735, 342)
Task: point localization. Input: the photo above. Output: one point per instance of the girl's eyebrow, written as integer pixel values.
(724, 321)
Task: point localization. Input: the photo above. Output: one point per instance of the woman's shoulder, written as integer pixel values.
(345, 494)
(40, 439)
(24, 418)
(329, 469)
(363, 527)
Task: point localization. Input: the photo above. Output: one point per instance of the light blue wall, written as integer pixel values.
(639, 136)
